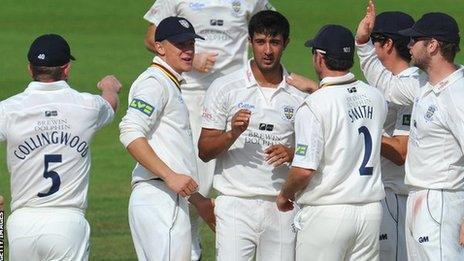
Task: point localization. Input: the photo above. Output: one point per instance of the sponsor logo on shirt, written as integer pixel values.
(195, 6)
(383, 237)
(423, 239)
(266, 127)
(407, 119)
(216, 22)
(430, 112)
(51, 113)
(301, 149)
(351, 90)
(244, 105)
(142, 106)
(206, 114)
(288, 112)
(216, 35)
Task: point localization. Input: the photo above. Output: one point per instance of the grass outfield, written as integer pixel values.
(108, 39)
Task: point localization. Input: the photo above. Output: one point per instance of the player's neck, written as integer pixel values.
(268, 78)
(439, 70)
(395, 65)
(329, 73)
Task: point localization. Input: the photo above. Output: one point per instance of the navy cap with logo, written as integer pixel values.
(434, 25)
(49, 50)
(390, 23)
(335, 40)
(175, 29)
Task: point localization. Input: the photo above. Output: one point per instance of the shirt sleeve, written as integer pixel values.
(454, 111)
(214, 115)
(3, 123)
(309, 141)
(146, 104)
(160, 10)
(403, 121)
(262, 5)
(106, 112)
(399, 90)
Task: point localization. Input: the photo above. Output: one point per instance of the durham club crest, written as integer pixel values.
(288, 112)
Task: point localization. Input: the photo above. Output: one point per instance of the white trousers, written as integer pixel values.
(41, 234)
(392, 239)
(249, 226)
(433, 219)
(194, 101)
(339, 232)
(159, 223)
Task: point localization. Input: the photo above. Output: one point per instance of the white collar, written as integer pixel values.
(337, 80)
(251, 80)
(160, 61)
(47, 86)
(450, 79)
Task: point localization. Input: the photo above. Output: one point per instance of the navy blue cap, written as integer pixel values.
(390, 23)
(336, 40)
(435, 25)
(175, 29)
(49, 50)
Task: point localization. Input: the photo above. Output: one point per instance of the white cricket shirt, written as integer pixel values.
(48, 129)
(436, 141)
(223, 24)
(242, 171)
(158, 113)
(338, 133)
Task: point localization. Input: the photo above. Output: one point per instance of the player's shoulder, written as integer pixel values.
(295, 92)
(151, 78)
(232, 82)
(14, 103)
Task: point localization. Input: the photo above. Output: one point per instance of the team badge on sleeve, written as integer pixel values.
(301, 149)
(142, 106)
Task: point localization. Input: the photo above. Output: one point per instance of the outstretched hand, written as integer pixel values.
(366, 25)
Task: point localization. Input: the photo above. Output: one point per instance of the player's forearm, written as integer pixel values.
(142, 152)
(298, 178)
(395, 149)
(150, 38)
(209, 147)
(112, 98)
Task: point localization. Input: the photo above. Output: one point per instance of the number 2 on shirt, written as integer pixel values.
(363, 170)
(56, 181)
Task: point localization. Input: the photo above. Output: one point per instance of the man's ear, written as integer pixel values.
(159, 47)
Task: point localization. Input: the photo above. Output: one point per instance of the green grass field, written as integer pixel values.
(106, 37)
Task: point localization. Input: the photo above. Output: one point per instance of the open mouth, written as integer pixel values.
(187, 59)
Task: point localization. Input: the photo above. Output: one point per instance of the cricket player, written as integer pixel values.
(48, 129)
(335, 172)
(434, 163)
(248, 126)
(156, 132)
(224, 25)
(389, 51)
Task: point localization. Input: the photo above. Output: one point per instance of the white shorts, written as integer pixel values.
(392, 240)
(48, 234)
(159, 222)
(339, 232)
(433, 219)
(245, 226)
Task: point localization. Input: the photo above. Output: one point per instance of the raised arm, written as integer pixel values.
(400, 90)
